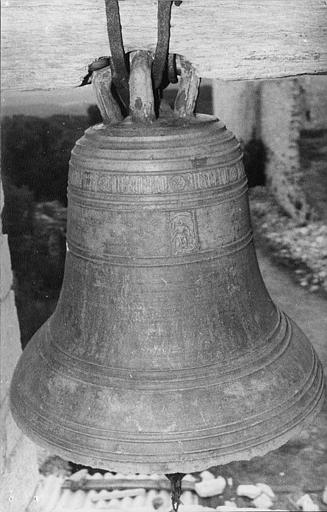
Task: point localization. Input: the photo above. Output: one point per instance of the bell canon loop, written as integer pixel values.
(165, 352)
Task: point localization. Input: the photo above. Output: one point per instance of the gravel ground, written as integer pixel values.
(302, 248)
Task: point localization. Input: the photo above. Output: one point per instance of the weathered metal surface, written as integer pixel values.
(49, 44)
(142, 106)
(101, 81)
(118, 57)
(165, 352)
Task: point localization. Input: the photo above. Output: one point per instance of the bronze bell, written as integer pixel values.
(165, 352)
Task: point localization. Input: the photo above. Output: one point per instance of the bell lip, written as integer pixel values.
(188, 466)
(181, 467)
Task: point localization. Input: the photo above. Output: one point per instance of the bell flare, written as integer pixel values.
(165, 352)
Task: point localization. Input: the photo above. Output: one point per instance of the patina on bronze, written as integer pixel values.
(165, 353)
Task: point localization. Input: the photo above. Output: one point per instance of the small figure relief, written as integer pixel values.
(184, 236)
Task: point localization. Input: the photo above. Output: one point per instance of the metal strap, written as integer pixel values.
(161, 53)
(118, 61)
(118, 58)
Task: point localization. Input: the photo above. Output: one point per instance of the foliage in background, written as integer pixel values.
(36, 152)
(35, 156)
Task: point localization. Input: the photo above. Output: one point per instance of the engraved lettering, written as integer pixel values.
(143, 184)
(89, 181)
(103, 184)
(163, 184)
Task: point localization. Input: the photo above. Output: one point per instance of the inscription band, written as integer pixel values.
(154, 184)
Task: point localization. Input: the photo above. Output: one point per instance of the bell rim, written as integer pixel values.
(194, 465)
(313, 393)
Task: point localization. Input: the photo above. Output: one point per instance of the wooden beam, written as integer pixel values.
(49, 43)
